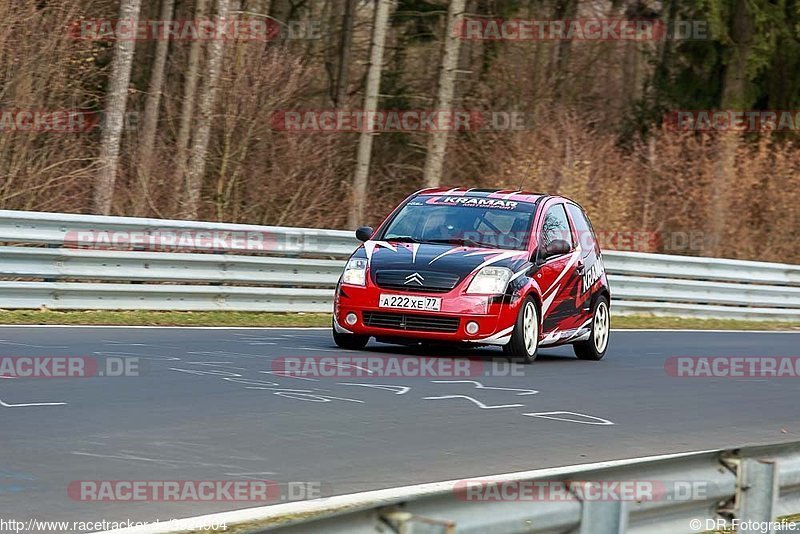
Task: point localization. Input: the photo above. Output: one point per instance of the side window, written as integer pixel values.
(583, 227)
(556, 226)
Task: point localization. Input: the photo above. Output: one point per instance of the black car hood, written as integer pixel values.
(438, 258)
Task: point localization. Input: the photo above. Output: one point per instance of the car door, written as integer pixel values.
(589, 264)
(556, 276)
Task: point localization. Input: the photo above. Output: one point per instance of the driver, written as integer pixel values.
(441, 225)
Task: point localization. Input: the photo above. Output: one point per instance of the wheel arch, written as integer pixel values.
(537, 298)
(602, 292)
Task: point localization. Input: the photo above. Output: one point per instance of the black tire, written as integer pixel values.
(519, 349)
(349, 341)
(595, 347)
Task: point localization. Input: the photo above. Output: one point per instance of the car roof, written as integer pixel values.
(505, 194)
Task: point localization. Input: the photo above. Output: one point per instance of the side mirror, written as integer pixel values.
(556, 247)
(364, 233)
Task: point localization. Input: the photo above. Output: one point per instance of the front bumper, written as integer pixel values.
(494, 316)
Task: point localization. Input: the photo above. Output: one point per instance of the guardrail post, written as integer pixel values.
(403, 522)
(756, 493)
(602, 517)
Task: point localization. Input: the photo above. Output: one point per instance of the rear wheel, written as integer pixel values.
(595, 347)
(349, 341)
(524, 342)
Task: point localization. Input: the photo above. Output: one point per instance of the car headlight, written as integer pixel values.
(490, 281)
(355, 272)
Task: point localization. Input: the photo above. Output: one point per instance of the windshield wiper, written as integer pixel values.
(403, 239)
(463, 241)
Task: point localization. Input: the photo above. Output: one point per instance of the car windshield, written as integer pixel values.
(469, 221)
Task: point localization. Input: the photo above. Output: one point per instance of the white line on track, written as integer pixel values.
(29, 404)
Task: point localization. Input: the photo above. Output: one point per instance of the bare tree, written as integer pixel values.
(188, 105)
(735, 95)
(381, 20)
(150, 120)
(208, 93)
(437, 141)
(115, 111)
(345, 45)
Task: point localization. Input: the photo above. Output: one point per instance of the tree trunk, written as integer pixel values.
(280, 12)
(150, 120)
(356, 214)
(187, 107)
(115, 112)
(565, 10)
(345, 46)
(735, 95)
(208, 93)
(437, 141)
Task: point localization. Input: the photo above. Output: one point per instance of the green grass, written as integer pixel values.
(645, 321)
(231, 318)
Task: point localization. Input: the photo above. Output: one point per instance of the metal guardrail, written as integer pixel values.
(692, 492)
(270, 268)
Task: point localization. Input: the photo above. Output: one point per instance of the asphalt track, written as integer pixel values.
(182, 420)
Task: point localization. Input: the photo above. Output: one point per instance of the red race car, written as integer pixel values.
(484, 267)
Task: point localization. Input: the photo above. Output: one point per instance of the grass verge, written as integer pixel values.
(232, 318)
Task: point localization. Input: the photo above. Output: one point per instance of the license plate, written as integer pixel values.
(410, 302)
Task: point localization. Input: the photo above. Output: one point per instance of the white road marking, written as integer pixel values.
(13, 343)
(481, 405)
(225, 353)
(554, 416)
(398, 390)
(137, 355)
(286, 374)
(28, 404)
(251, 476)
(212, 372)
(252, 382)
(313, 397)
(218, 364)
(478, 385)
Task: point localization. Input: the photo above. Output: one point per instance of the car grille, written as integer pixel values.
(409, 321)
(428, 281)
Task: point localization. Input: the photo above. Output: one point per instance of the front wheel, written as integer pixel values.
(595, 347)
(349, 341)
(524, 342)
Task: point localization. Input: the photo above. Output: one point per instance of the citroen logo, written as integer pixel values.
(414, 277)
